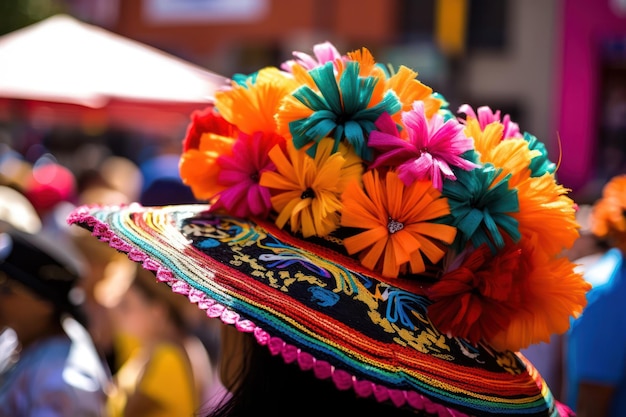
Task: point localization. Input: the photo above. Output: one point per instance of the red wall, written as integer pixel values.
(368, 22)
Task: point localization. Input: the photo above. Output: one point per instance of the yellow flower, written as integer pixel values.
(512, 155)
(409, 89)
(484, 140)
(399, 223)
(306, 191)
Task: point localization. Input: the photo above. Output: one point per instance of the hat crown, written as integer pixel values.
(330, 143)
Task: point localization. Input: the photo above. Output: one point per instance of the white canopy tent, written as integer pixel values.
(69, 67)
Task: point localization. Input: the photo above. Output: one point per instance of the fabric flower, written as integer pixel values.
(463, 202)
(344, 109)
(607, 219)
(206, 121)
(548, 295)
(444, 106)
(324, 52)
(473, 300)
(252, 107)
(307, 191)
(513, 155)
(403, 82)
(485, 138)
(409, 90)
(481, 207)
(508, 299)
(547, 214)
(487, 116)
(540, 164)
(429, 152)
(209, 136)
(240, 173)
(399, 223)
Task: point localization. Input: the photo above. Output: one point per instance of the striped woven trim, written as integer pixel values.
(132, 237)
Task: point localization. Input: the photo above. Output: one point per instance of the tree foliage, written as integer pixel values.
(16, 14)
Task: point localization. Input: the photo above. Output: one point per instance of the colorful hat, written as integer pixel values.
(358, 228)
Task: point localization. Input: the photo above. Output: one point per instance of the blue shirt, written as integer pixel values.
(596, 343)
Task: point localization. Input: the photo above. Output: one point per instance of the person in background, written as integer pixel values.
(115, 180)
(49, 365)
(595, 353)
(153, 348)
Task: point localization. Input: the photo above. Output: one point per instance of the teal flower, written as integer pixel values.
(346, 109)
(244, 79)
(444, 110)
(539, 165)
(481, 209)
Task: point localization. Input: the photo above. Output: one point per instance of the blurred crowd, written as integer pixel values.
(156, 353)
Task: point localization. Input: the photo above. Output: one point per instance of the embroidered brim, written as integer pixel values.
(321, 310)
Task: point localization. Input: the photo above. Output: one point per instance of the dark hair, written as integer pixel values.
(267, 384)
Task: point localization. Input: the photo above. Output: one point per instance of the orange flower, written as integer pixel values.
(409, 90)
(252, 107)
(549, 292)
(607, 215)
(367, 63)
(208, 136)
(199, 168)
(511, 300)
(398, 222)
(403, 82)
(546, 212)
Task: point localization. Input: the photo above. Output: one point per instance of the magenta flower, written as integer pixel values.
(429, 152)
(487, 116)
(324, 52)
(240, 172)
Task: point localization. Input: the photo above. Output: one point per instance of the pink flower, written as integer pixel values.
(430, 150)
(487, 116)
(240, 172)
(324, 52)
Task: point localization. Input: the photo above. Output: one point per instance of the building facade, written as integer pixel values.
(557, 66)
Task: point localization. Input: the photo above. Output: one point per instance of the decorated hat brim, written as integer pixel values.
(321, 310)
